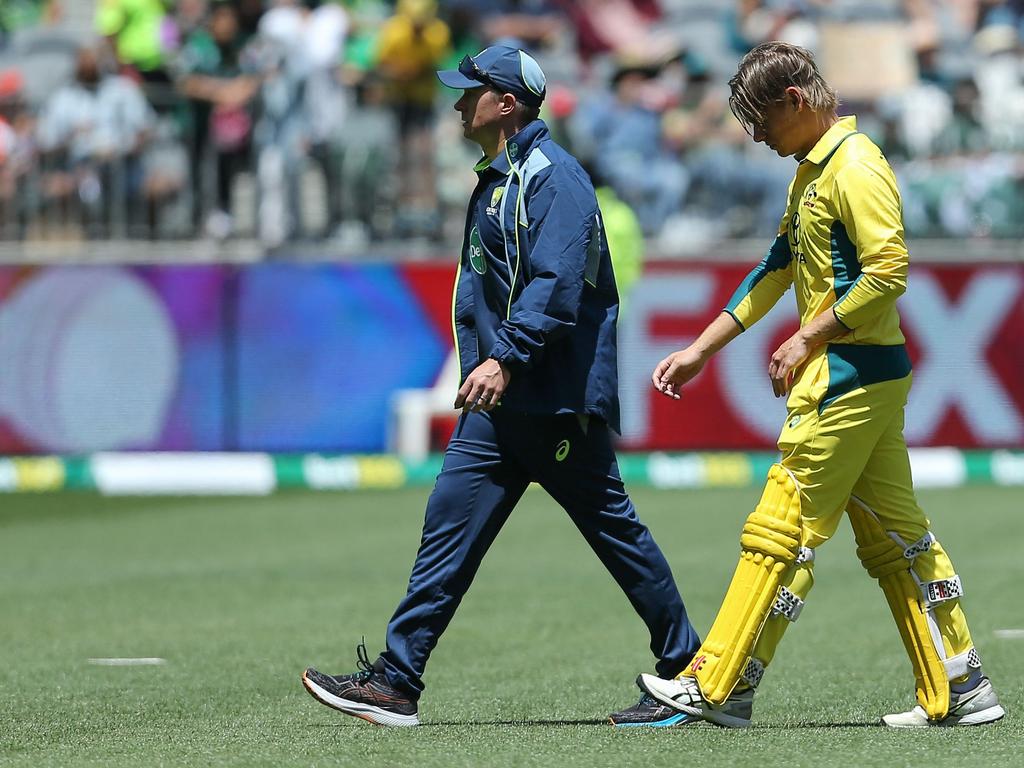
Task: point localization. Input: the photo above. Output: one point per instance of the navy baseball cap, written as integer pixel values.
(506, 69)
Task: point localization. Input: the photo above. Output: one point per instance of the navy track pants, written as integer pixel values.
(491, 459)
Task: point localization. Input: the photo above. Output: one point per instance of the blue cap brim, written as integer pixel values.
(455, 79)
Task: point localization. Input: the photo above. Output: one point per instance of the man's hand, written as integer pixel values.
(798, 348)
(484, 387)
(786, 360)
(677, 369)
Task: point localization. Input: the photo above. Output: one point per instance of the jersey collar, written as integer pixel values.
(516, 148)
(833, 137)
(498, 164)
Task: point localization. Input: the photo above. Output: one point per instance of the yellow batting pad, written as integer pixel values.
(769, 546)
(885, 560)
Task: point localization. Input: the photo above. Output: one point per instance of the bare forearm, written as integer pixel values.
(798, 347)
(824, 327)
(199, 87)
(719, 332)
(680, 367)
(227, 91)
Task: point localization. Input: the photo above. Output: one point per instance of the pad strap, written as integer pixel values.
(941, 590)
(920, 546)
(787, 605)
(753, 672)
(962, 663)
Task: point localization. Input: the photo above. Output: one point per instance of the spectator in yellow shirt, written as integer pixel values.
(412, 45)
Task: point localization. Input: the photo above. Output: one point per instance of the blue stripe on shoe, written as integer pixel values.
(674, 720)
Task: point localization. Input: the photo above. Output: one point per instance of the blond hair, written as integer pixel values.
(766, 72)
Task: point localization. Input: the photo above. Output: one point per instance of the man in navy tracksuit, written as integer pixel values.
(534, 315)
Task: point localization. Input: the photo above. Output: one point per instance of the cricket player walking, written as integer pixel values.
(847, 375)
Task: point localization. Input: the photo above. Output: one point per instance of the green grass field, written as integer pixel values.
(239, 595)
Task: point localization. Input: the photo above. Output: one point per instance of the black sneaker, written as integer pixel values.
(650, 713)
(366, 694)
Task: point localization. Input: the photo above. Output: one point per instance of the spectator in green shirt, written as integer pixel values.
(625, 237)
(20, 14)
(219, 88)
(135, 31)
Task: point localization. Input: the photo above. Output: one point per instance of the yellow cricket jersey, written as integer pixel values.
(841, 246)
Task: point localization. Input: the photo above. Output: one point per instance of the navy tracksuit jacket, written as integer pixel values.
(535, 291)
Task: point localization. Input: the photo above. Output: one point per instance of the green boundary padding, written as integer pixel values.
(78, 474)
(289, 471)
(979, 466)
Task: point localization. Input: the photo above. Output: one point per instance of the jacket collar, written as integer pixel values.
(830, 142)
(516, 148)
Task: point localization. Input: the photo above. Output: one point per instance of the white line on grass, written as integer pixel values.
(1010, 634)
(137, 662)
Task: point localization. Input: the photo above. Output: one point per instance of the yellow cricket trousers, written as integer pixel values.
(854, 446)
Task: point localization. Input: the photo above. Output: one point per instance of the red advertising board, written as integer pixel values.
(965, 332)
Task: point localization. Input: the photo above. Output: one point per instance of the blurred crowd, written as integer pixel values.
(292, 120)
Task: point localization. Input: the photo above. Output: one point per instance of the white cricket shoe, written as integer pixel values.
(684, 694)
(977, 706)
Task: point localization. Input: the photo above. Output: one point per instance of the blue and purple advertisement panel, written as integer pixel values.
(268, 358)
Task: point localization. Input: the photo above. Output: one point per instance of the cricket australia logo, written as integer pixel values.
(477, 260)
(492, 209)
(810, 195)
